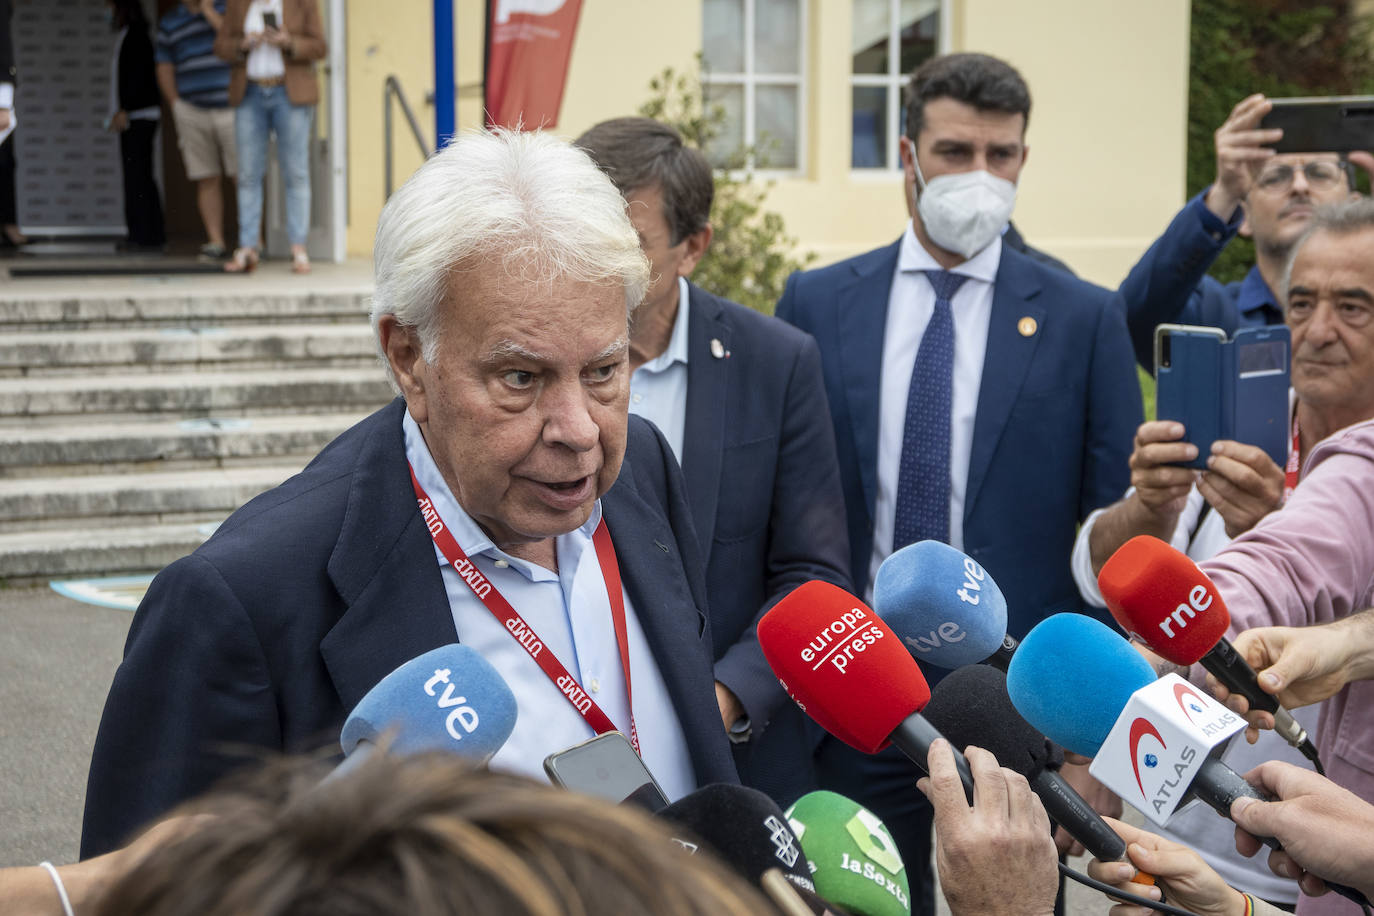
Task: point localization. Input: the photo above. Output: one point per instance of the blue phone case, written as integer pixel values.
(1226, 389)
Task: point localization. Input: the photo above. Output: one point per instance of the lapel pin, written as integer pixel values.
(718, 348)
(1026, 326)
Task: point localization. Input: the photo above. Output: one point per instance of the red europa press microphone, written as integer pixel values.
(847, 670)
(1161, 598)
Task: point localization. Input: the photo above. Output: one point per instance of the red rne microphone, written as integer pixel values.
(1161, 598)
(847, 670)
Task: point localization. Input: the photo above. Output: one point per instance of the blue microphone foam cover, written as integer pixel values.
(1071, 677)
(941, 604)
(449, 699)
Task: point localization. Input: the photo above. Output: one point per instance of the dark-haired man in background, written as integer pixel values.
(739, 397)
(979, 396)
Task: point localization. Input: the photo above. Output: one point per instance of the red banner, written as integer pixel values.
(529, 43)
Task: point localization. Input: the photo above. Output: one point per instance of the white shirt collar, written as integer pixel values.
(469, 535)
(676, 352)
(982, 266)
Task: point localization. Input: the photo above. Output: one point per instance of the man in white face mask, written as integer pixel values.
(980, 396)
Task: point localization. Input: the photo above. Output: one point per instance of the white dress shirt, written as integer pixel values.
(570, 612)
(265, 61)
(909, 307)
(658, 389)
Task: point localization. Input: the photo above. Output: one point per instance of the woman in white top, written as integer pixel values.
(273, 46)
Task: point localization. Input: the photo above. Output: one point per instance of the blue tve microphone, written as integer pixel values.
(943, 606)
(449, 699)
(1071, 678)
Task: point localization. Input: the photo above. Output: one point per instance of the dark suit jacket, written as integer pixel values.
(1057, 413)
(758, 455)
(137, 78)
(305, 598)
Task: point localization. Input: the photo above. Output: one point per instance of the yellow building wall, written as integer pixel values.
(1109, 79)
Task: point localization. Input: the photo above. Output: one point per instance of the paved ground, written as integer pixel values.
(57, 657)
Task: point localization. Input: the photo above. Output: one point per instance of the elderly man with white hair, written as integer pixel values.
(506, 272)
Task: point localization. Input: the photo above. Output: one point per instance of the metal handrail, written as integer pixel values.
(392, 87)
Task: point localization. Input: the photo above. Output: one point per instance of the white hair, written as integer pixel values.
(527, 203)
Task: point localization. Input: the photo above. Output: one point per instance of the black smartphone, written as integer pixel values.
(608, 767)
(1338, 124)
(269, 20)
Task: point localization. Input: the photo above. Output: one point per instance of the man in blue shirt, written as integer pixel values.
(195, 84)
(1263, 195)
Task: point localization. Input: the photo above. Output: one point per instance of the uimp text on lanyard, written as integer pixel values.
(520, 631)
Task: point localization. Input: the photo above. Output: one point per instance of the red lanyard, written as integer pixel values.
(1290, 472)
(523, 633)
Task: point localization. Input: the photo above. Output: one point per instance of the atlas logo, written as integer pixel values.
(1151, 761)
(1199, 599)
(1209, 722)
(1139, 729)
(784, 844)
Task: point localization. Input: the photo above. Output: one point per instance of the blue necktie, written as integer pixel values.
(923, 480)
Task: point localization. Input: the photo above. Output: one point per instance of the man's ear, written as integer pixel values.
(697, 243)
(401, 345)
(1244, 230)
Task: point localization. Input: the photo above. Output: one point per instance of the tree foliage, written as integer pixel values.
(751, 254)
(1277, 47)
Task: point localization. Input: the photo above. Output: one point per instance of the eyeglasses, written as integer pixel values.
(1320, 175)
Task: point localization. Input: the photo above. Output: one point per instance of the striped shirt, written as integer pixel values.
(187, 41)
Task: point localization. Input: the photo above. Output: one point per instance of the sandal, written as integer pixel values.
(243, 261)
(300, 262)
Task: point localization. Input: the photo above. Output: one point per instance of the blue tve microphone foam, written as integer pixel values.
(941, 604)
(1072, 676)
(449, 699)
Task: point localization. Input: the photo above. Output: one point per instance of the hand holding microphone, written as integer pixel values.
(1323, 827)
(1302, 665)
(1160, 597)
(994, 856)
(1184, 877)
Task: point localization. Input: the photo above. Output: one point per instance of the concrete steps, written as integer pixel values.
(45, 353)
(136, 415)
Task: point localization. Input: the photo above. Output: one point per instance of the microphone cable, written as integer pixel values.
(1118, 894)
(1309, 750)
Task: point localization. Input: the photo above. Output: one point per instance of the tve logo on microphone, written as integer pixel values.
(462, 716)
(1159, 743)
(949, 632)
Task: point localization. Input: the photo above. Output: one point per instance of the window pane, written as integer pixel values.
(869, 150)
(725, 149)
(722, 35)
(920, 35)
(775, 112)
(777, 36)
(871, 27)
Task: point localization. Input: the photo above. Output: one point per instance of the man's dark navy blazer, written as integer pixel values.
(1057, 413)
(758, 455)
(305, 598)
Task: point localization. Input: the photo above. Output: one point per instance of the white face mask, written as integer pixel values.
(965, 211)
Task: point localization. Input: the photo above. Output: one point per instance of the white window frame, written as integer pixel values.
(895, 82)
(750, 80)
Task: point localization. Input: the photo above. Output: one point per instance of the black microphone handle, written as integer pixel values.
(1225, 664)
(1071, 811)
(1001, 659)
(1218, 785)
(915, 736)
